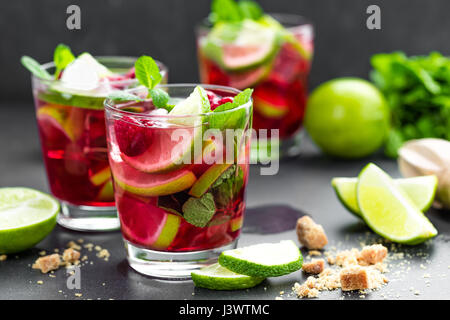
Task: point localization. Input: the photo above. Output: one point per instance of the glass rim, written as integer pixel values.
(112, 106)
(294, 19)
(163, 69)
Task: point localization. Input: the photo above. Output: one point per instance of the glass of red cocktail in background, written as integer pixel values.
(179, 205)
(272, 55)
(71, 125)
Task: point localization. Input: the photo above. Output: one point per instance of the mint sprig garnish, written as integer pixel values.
(148, 75)
(35, 68)
(147, 72)
(220, 119)
(233, 11)
(62, 56)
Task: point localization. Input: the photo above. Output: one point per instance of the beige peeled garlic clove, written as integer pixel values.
(428, 156)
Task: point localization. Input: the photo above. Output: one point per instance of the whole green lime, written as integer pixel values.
(347, 117)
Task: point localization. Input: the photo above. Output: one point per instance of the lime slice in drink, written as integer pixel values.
(26, 217)
(421, 190)
(240, 47)
(79, 85)
(263, 260)
(216, 277)
(387, 209)
(196, 103)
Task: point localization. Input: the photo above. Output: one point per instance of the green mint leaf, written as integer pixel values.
(62, 57)
(199, 211)
(243, 97)
(123, 96)
(250, 9)
(231, 119)
(224, 10)
(35, 68)
(147, 72)
(159, 97)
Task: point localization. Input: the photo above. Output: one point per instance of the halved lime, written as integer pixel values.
(26, 217)
(263, 260)
(216, 277)
(421, 190)
(387, 209)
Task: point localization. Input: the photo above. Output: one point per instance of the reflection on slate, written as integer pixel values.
(270, 219)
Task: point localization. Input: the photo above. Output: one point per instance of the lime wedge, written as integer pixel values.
(26, 217)
(216, 277)
(263, 260)
(197, 103)
(387, 209)
(421, 190)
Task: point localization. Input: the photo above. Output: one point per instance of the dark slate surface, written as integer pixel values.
(301, 186)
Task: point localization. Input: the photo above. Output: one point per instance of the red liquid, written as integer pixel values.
(152, 207)
(73, 142)
(280, 90)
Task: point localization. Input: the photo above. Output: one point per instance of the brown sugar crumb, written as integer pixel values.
(303, 291)
(71, 256)
(310, 234)
(316, 266)
(313, 253)
(103, 253)
(372, 254)
(3, 257)
(47, 263)
(347, 257)
(328, 280)
(354, 278)
(73, 245)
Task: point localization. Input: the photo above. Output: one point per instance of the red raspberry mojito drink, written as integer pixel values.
(71, 124)
(271, 54)
(178, 205)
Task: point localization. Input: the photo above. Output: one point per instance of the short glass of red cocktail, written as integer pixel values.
(71, 123)
(179, 195)
(272, 55)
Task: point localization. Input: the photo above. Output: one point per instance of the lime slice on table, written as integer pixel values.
(421, 190)
(263, 260)
(387, 209)
(216, 277)
(26, 217)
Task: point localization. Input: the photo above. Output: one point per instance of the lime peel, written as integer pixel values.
(263, 260)
(216, 277)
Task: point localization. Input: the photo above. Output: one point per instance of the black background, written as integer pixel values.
(164, 29)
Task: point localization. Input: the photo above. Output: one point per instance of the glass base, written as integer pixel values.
(264, 151)
(87, 218)
(171, 265)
